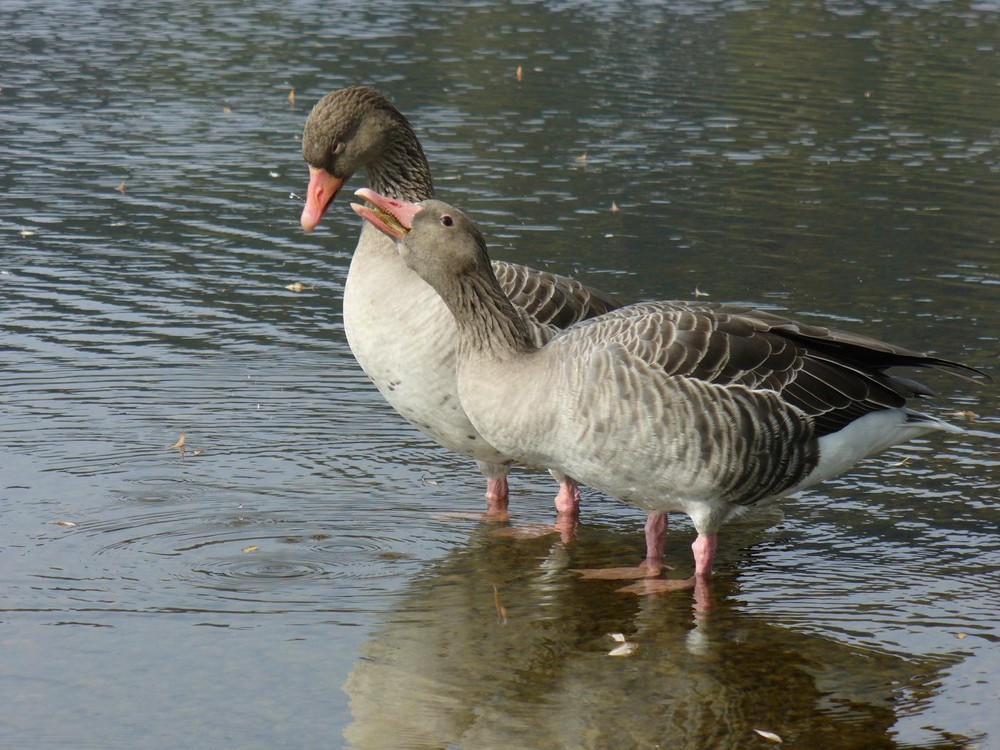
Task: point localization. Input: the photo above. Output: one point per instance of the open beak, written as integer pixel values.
(388, 215)
(323, 188)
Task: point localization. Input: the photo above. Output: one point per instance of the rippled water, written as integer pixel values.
(299, 576)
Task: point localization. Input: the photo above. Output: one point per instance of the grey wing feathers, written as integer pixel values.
(549, 299)
(832, 376)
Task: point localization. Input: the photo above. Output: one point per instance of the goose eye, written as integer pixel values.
(337, 147)
(447, 221)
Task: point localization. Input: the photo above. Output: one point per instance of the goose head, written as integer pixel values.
(353, 129)
(436, 240)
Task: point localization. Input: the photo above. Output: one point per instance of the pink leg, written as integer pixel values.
(567, 514)
(568, 499)
(652, 566)
(656, 542)
(704, 554)
(497, 495)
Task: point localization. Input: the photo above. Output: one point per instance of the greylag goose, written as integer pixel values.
(670, 406)
(398, 328)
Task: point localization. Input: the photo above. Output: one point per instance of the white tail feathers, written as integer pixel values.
(871, 434)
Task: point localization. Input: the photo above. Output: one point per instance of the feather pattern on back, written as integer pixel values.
(832, 376)
(552, 301)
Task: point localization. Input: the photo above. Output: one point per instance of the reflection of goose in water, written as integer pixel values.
(441, 671)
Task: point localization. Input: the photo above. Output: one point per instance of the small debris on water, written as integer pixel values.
(625, 647)
(291, 98)
(298, 286)
(67, 524)
(769, 736)
(180, 446)
(969, 415)
(498, 603)
(698, 293)
(252, 548)
(614, 207)
(519, 74)
(121, 187)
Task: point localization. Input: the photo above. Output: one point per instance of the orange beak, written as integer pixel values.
(323, 188)
(390, 216)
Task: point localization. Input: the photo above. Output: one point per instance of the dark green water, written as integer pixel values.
(302, 581)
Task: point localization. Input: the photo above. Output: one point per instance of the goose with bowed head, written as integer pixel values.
(398, 328)
(706, 409)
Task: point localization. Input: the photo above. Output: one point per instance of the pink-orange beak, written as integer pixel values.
(323, 188)
(390, 216)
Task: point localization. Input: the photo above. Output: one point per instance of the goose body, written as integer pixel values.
(398, 328)
(701, 408)
(605, 403)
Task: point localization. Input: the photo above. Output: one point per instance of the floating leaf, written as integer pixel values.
(960, 636)
(121, 187)
(624, 649)
(769, 736)
(252, 548)
(291, 97)
(67, 524)
(179, 445)
(298, 286)
(969, 415)
(520, 74)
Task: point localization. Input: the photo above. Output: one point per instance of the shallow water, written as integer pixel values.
(302, 575)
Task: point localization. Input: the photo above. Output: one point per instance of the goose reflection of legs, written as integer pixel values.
(650, 570)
